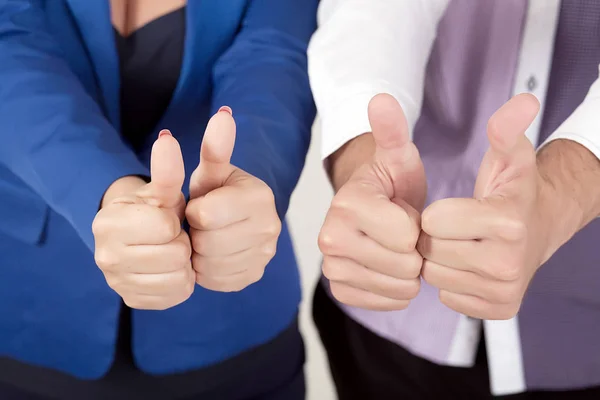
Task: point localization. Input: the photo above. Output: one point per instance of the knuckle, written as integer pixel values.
(427, 275)
(273, 229)
(201, 241)
(187, 289)
(205, 218)
(191, 212)
(428, 217)
(443, 296)
(446, 298)
(332, 270)
(327, 241)
(135, 303)
(131, 303)
(169, 228)
(181, 279)
(339, 292)
(255, 276)
(182, 253)
(101, 224)
(269, 250)
(259, 193)
(160, 306)
(264, 193)
(406, 245)
(114, 282)
(412, 289)
(229, 284)
(202, 280)
(508, 293)
(414, 265)
(401, 290)
(424, 245)
(408, 237)
(200, 265)
(341, 203)
(397, 306)
(237, 285)
(106, 258)
(507, 270)
(409, 241)
(504, 312)
(234, 287)
(199, 215)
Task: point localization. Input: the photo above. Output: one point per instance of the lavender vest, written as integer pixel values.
(470, 74)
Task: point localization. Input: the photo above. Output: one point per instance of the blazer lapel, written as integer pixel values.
(94, 22)
(199, 41)
(210, 24)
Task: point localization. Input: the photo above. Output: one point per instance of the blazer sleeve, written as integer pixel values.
(53, 135)
(263, 77)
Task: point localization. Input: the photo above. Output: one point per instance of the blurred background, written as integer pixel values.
(306, 214)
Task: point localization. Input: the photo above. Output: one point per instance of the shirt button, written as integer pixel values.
(531, 83)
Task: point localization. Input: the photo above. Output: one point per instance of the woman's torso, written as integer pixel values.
(62, 314)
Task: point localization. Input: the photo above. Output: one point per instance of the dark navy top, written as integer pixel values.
(150, 61)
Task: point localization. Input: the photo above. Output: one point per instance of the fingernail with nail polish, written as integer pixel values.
(226, 109)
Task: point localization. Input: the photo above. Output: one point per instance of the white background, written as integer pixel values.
(306, 214)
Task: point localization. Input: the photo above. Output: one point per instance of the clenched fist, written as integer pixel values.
(140, 246)
(234, 225)
(482, 252)
(371, 230)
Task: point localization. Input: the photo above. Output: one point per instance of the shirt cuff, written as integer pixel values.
(594, 148)
(347, 121)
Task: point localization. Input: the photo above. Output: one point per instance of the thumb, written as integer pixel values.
(506, 128)
(167, 173)
(215, 154)
(395, 153)
(510, 150)
(393, 146)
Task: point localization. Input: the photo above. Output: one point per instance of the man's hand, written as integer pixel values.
(140, 246)
(369, 236)
(233, 221)
(482, 252)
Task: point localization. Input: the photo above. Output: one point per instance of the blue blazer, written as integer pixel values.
(60, 149)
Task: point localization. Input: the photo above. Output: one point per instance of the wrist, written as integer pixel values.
(122, 187)
(349, 158)
(560, 215)
(569, 183)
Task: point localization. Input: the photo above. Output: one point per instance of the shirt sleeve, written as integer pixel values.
(54, 136)
(366, 47)
(583, 126)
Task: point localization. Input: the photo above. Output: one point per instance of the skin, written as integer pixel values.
(130, 15)
(370, 233)
(481, 252)
(141, 248)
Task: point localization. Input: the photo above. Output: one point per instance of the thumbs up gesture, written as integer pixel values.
(369, 236)
(234, 225)
(482, 252)
(140, 246)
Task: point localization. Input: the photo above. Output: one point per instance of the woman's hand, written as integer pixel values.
(140, 245)
(233, 221)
